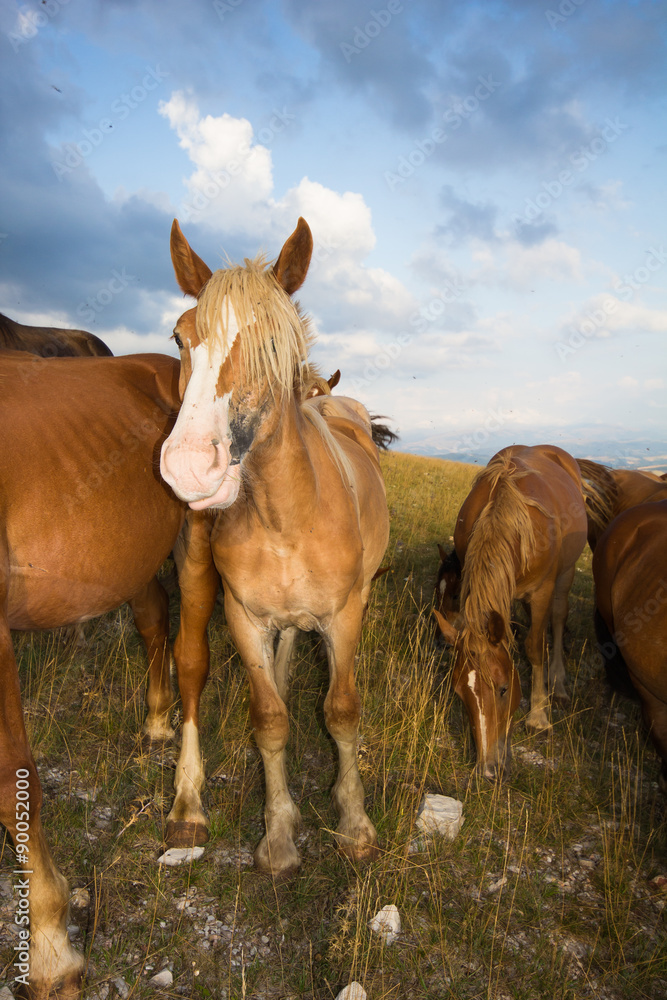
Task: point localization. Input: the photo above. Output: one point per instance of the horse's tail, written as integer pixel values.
(600, 493)
(383, 436)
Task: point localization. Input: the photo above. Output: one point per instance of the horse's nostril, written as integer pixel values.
(215, 442)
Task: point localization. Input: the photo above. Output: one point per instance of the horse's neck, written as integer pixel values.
(281, 476)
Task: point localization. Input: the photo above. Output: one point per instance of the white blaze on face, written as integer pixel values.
(472, 678)
(196, 458)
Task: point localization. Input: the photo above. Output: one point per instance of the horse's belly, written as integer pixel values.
(64, 572)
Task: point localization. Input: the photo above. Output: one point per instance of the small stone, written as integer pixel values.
(354, 991)
(162, 979)
(386, 923)
(440, 814)
(122, 988)
(6, 993)
(180, 855)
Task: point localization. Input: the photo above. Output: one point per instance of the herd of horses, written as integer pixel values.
(240, 461)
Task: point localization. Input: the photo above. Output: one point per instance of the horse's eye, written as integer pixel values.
(177, 340)
(502, 691)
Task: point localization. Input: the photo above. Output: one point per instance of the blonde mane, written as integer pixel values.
(275, 335)
(502, 531)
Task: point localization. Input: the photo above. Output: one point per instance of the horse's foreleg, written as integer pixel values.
(150, 608)
(356, 834)
(49, 964)
(187, 823)
(559, 610)
(276, 853)
(538, 716)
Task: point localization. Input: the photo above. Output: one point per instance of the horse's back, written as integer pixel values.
(50, 342)
(547, 477)
(85, 517)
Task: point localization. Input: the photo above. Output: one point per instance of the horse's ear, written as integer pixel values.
(335, 379)
(292, 265)
(442, 553)
(191, 271)
(448, 631)
(495, 628)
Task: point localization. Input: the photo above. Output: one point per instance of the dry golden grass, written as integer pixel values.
(547, 891)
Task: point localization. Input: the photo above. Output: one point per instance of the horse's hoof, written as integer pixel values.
(536, 726)
(279, 861)
(184, 833)
(66, 988)
(362, 853)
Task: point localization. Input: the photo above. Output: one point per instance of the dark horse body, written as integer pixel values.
(616, 490)
(49, 342)
(630, 573)
(85, 523)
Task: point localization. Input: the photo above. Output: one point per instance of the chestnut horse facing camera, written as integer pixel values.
(630, 573)
(300, 527)
(85, 523)
(518, 536)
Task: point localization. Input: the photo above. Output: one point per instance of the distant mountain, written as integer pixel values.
(587, 442)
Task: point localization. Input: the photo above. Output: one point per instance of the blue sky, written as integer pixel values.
(484, 181)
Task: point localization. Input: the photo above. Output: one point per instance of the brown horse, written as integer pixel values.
(617, 490)
(630, 573)
(300, 527)
(49, 342)
(85, 523)
(518, 535)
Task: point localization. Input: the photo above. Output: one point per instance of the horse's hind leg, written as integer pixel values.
(356, 834)
(283, 660)
(51, 966)
(150, 608)
(559, 609)
(538, 716)
(276, 853)
(187, 823)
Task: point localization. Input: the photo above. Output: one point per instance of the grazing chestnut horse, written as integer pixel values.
(630, 573)
(49, 342)
(300, 526)
(617, 490)
(85, 523)
(518, 535)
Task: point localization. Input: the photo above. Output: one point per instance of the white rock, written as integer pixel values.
(440, 814)
(386, 923)
(6, 993)
(121, 986)
(354, 991)
(180, 855)
(164, 978)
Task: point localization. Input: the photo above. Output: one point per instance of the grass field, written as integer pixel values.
(552, 889)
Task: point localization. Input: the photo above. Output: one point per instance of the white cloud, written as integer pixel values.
(521, 268)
